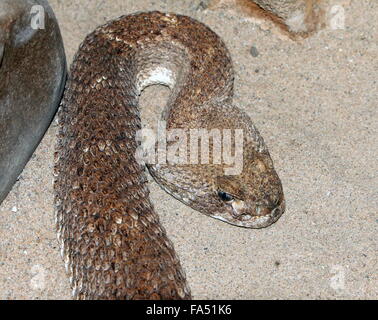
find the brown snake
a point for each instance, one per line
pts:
(112, 242)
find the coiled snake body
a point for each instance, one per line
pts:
(112, 242)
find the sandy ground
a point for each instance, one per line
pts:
(315, 104)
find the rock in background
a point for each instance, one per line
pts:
(297, 19)
(32, 76)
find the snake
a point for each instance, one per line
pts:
(112, 242)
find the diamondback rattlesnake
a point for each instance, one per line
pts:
(112, 242)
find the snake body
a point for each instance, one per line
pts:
(111, 240)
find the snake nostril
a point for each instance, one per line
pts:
(276, 212)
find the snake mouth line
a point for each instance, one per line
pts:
(253, 221)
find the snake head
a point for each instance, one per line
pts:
(250, 197)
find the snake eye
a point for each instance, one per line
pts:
(225, 196)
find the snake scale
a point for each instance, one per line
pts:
(112, 242)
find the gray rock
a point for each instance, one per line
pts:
(32, 77)
(254, 52)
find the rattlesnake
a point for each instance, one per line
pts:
(111, 240)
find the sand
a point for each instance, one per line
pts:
(314, 102)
